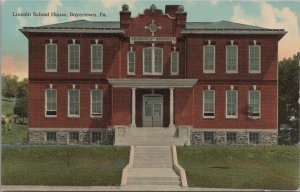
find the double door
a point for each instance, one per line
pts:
(152, 110)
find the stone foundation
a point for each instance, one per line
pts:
(39, 136)
(242, 137)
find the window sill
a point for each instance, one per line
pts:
(50, 71)
(233, 117)
(232, 72)
(51, 116)
(255, 72)
(208, 117)
(77, 71)
(96, 71)
(209, 72)
(254, 118)
(74, 117)
(152, 74)
(96, 116)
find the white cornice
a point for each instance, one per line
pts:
(278, 32)
(153, 83)
(108, 31)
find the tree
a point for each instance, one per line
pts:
(9, 86)
(22, 89)
(20, 108)
(289, 94)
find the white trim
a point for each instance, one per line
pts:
(128, 72)
(68, 129)
(73, 70)
(153, 48)
(259, 103)
(152, 83)
(46, 56)
(46, 100)
(177, 66)
(100, 115)
(236, 106)
(203, 106)
(259, 59)
(232, 31)
(69, 115)
(214, 63)
(101, 57)
(237, 59)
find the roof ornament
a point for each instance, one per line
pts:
(152, 27)
(125, 8)
(180, 9)
(153, 7)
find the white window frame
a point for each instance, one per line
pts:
(73, 70)
(237, 59)
(46, 100)
(73, 115)
(203, 103)
(153, 61)
(46, 58)
(259, 104)
(258, 138)
(101, 58)
(236, 107)
(259, 60)
(177, 65)
(91, 104)
(128, 63)
(214, 63)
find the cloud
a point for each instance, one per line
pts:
(271, 17)
(214, 2)
(21, 20)
(12, 65)
(52, 7)
(117, 3)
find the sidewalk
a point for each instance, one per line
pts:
(112, 188)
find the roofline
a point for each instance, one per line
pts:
(232, 31)
(72, 30)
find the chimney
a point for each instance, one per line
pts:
(124, 16)
(171, 10)
(180, 19)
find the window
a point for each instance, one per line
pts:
(130, 62)
(209, 103)
(96, 102)
(51, 136)
(254, 138)
(174, 62)
(231, 59)
(51, 57)
(96, 58)
(209, 137)
(209, 59)
(73, 100)
(96, 137)
(254, 59)
(231, 104)
(254, 103)
(74, 58)
(50, 102)
(74, 137)
(153, 60)
(231, 137)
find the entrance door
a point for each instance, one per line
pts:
(152, 110)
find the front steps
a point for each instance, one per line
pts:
(151, 136)
(151, 166)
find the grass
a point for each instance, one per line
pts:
(275, 167)
(63, 165)
(17, 134)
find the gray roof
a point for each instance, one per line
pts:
(81, 24)
(114, 27)
(220, 25)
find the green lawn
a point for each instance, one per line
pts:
(63, 165)
(275, 167)
(17, 134)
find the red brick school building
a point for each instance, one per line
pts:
(99, 82)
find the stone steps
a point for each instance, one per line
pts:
(153, 165)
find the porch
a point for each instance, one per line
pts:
(152, 119)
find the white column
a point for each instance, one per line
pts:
(171, 108)
(133, 107)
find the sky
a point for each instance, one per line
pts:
(268, 14)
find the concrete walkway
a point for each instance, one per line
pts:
(112, 188)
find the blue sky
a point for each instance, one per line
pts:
(269, 14)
